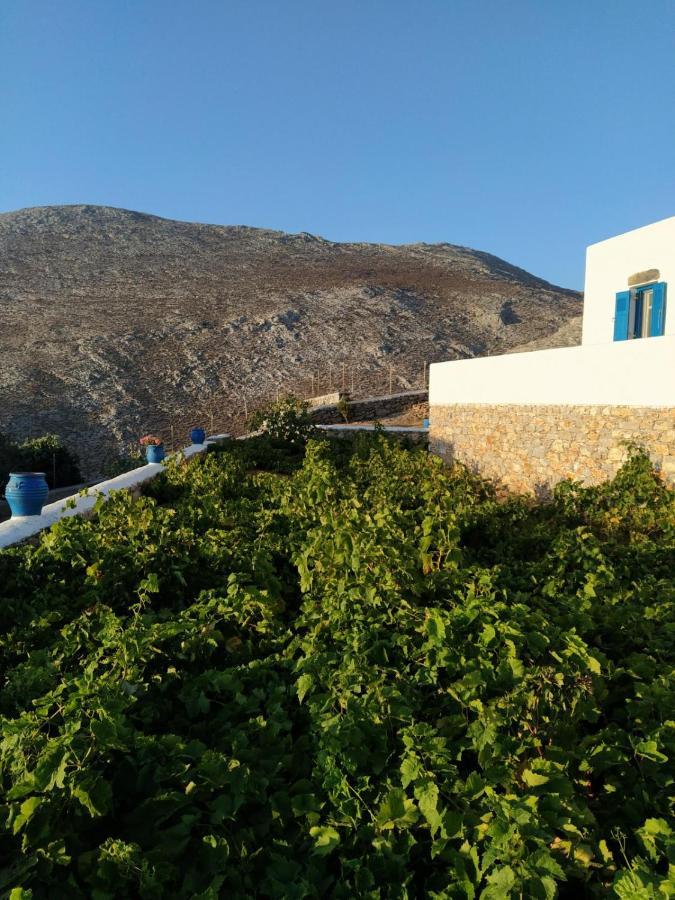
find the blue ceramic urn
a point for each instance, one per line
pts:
(26, 493)
(154, 453)
(197, 435)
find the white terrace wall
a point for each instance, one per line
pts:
(633, 373)
(609, 265)
(23, 528)
(528, 420)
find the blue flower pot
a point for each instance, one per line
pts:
(26, 493)
(197, 435)
(154, 453)
(425, 423)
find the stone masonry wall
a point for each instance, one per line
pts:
(531, 448)
(369, 409)
(327, 399)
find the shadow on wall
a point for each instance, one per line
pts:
(542, 491)
(444, 448)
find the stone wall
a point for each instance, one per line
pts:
(327, 399)
(531, 448)
(369, 409)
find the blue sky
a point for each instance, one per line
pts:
(527, 128)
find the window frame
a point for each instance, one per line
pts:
(640, 308)
(646, 303)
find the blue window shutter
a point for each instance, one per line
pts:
(621, 316)
(658, 310)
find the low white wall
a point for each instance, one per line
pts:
(20, 528)
(626, 373)
(609, 265)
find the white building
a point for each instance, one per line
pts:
(623, 373)
(626, 285)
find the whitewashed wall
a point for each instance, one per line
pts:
(625, 373)
(21, 528)
(600, 371)
(610, 263)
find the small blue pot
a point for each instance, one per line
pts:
(26, 493)
(197, 435)
(425, 423)
(154, 453)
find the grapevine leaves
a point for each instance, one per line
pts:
(365, 676)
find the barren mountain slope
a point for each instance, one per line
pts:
(568, 335)
(114, 322)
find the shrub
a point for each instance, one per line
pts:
(343, 408)
(41, 454)
(121, 463)
(286, 420)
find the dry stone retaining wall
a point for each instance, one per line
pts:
(369, 409)
(327, 399)
(531, 448)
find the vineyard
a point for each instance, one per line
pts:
(342, 670)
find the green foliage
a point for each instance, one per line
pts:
(343, 408)
(118, 464)
(263, 453)
(364, 677)
(41, 454)
(286, 420)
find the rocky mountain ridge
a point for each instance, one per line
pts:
(115, 322)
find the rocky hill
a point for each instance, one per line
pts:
(114, 322)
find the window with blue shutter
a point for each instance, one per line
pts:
(658, 319)
(640, 312)
(621, 316)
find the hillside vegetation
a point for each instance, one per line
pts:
(38, 454)
(115, 323)
(341, 672)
